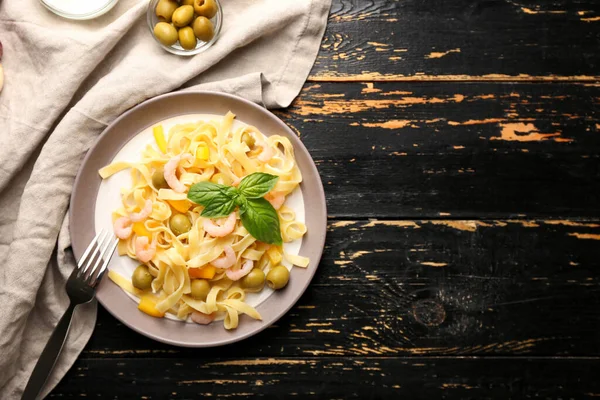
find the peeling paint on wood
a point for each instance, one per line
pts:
(524, 223)
(369, 88)
(590, 236)
(391, 124)
(478, 122)
(214, 382)
(259, 361)
(341, 224)
(572, 223)
(442, 53)
(537, 11)
(434, 264)
(469, 226)
(521, 132)
(357, 254)
(419, 77)
(329, 107)
(402, 224)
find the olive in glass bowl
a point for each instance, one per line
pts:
(185, 27)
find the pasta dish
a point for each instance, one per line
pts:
(205, 216)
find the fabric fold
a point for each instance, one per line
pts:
(64, 82)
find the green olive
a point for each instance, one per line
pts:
(142, 279)
(158, 179)
(278, 277)
(165, 8)
(206, 8)
(165, 33)
(180, 224)
(248, 139)
(254, 280)
(203, 29)
(187, 2)
(187, 40)
(200, 289)
(183, 16)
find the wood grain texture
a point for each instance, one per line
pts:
(332, 378)
(440, 287)
(424, 150)
(467, 40)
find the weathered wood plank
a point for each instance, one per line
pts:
(491, 40)
(418, 150)
(332, 378)
(452, 288)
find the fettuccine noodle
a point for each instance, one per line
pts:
(201, 151)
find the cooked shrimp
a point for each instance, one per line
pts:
(276, 199)
(170, 172)
(122, 227)
(225, 261)
(144, 250)
(240, 273)
(221, 227)
(201, 318)
(142, 215)
(267, 152)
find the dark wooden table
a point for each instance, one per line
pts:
(459, 145)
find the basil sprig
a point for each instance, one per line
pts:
(257, 214)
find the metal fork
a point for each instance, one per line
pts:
(81, 288)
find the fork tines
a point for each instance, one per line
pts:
(100, 249)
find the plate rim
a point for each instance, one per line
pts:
(319, 207)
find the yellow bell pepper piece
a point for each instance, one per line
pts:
(207, 272)
(159, 136)
(140, 229)
(274, 254)
(180, 205)
(202, 152)
(148, 305)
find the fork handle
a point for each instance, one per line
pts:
(47, 360)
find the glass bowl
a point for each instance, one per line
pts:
(79, 10)
(176, 48)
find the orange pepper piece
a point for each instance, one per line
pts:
(207, 272)
(148, 305)
(180, 205)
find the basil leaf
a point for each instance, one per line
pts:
(218, 200)
(257, 185)
(219, 208)
(260, 219)
(204, 192)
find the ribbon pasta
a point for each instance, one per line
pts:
(222, 155)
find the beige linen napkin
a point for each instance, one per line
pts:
(64, 82)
